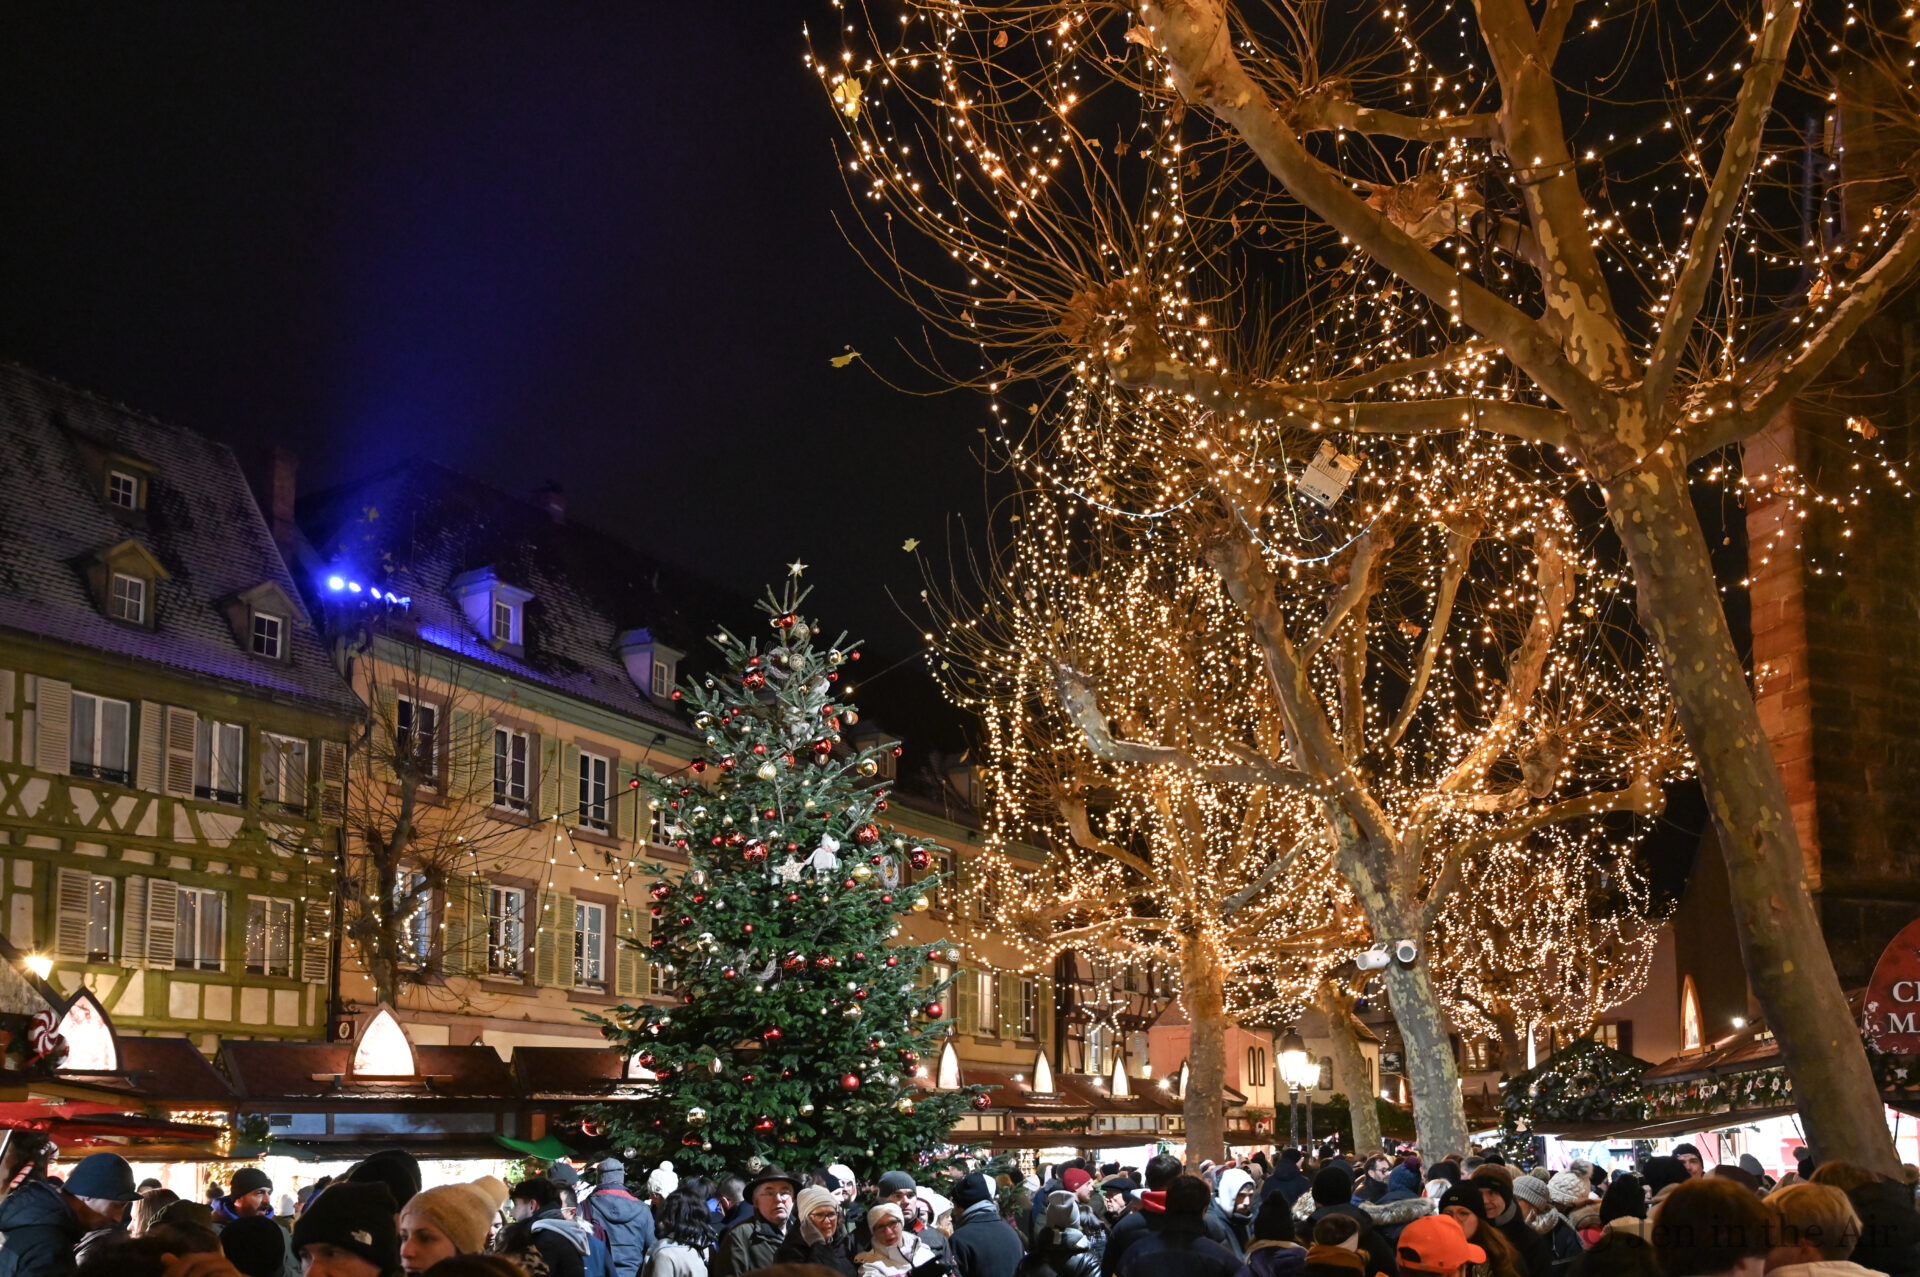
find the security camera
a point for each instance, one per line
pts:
(1405, 951)
(1370, 959)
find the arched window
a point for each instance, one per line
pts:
(1263, 1066)
(1693, 1035)
(1253, 1078)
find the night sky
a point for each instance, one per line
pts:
(590, 243)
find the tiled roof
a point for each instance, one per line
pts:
(413, 529)
(201, 525)
(266, 1070)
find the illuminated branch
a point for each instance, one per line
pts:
(1082, 704)
(1329, 108)
(1460, 541)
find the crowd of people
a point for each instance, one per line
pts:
(1294, 1216)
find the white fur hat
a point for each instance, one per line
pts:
(663, 1181)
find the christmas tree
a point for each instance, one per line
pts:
(802, 1016)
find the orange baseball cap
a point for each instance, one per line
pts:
(1435, 1244)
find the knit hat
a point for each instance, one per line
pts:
(1626, 1198)
(896, 1182)
(1660, 1172)
(843, 1175)
(1448, 1171)
(255, 1245)
(1533, 1193)
(971, 1191)
(1333, 1186)
(1062, 1210)
(394, 1167)
(885, 1210)
(1685, 1150)
(1467, 1195)
(1072, 1178)
(493, 1190)
(663, 1181)
(1569, 1189)
(103, 1177)
(357, 1217)
(813, 1198)
(460, 1211)
(613, 1173)
(564, 1175)
(248, 1179)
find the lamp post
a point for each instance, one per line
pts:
(1295, 1064)
(1301, 1071)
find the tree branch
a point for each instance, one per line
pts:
(1367, 549)
(1459, 550)
(1240, 899)
(1553, 29)
(1080, 826)
(1739, 151)
(1861, 303)
(1329, 106)
(1642, 795)
(1082, 706)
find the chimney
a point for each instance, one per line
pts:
(283, 487)
(553, 499)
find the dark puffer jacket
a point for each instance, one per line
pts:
(41, 1231)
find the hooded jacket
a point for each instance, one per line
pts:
(1273, 1259)
(1060, 1252)
(1374, 1219)
(1232, 1182)
(41, 1231)
(983, 1244)
(1179, 1246)
(623, 1220)
(561, 1243)
(1287, 1180)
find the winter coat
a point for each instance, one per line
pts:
(1273, 1259)
(983, 1244)
(41, 1231)
(1402, 1203)
(1374, 1248)
(749, 1245)
(1060, 1252)
(1889, 1229)
(1179, 1246)
(1564, 1244)
(1333, 1261)
(922, 1260)
(835, 1252)
(1536, 1252)
(675, 1259)
(1288, 1182)
(1131, 1228)
(560, 1243)
(1037, 1217)
(623, 1220)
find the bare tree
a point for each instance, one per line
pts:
(1259, 761)
(1492, 221)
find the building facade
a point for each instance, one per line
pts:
(172, 728)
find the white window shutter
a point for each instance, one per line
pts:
(163, 911)
(53, 732)
(333, 782)
(150, 762)
(183, 730)
(630, 963)
(70, 911)
(317, 941)
(133, 923)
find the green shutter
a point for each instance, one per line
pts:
(630, 963)
(1044, 1013)
(1009, 1005)
(553, 948)
(470, 758)
(570, 784)
(386, 720)
(463, 934)
(966, 1004)
(550, 790)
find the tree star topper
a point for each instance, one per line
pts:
(795, 568)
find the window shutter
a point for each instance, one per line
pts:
(333, 782)
(383, 741)
(7, 683)
(1043, 1013)
(630, 817)
(553, 945)
(550, 789)
(463, 940)
(133, 923)
(70, 911)
(53, 737)
(1007, 999)
(470, 757)
(317, 940)
(183, 734)
(966, 1004)
(570, 783)
(163, 911)
(293, 765)
(629, 964)
(150, 763)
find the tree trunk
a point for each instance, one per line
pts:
(1781, 943)
(1439, 1116)
(1204, 1102)
(1350, 1073)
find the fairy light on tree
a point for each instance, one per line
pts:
(1287, 222)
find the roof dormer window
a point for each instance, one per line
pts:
(496, 610)
(663, 678)
(128, 601)
(651, 664)
(506, 621)
(269, 635)
(123, 489)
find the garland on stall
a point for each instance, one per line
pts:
(1762, 1088)
(1586, 1083)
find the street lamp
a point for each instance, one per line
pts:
(1300, 1072)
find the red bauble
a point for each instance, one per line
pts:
(851, 1082)
(982, 1102)
(866, 835)
(753, 680)
(920, 858)
(765, 1126)
(661, 890)
(729, 973)
(691, 1139)
(727, 764)
(699, 765)
(759, 748)
(772, 1035)
(935, 1010)
(755, 850)
(892, 961)
(886, 898)
(590, 1128)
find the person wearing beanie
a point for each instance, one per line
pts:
(540, 1225)
(1287, 1180)
(624, 1220)
(752, 1243)
(44, 1222)
(1275, 1250)
(895, 1251)
(1060, 1247)
(662, 1181)
(249, 1193)
(1689, 1159)
(822, 1237)
(899, 1188)
(1179, 1243)
(453, 1219)
(1502, 1209)
(1332, 1195)
(982, 1244)
(258, 1247)
(396, 1168)
(1541, 1209)
(1464, 1204)
(348, 1231)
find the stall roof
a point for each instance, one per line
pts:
(278, 1071)
(573, 1073)
(163, 1071)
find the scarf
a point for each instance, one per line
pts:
(1337, 1257)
